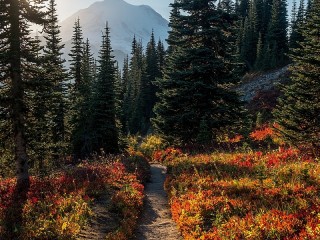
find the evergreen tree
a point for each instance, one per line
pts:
(244, 8)
(82, 106)
(266, 17)
(76, 53)
(103, 116)
(127, 91)
(250, 32)
(260, 54)
(308, 8)
(17, 54)
(293, 26)
(297, 20)
(55, 75)
(152, 72)
(298, 111)
(195, 88)
(137, 88)
(248, 51)
(119, 95)
(277, 34)
(174, 32)
(161, 53)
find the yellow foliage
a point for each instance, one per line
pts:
(151, 144)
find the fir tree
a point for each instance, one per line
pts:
(161, 53)
(259, 60)
(244, 8)
(297, 20)
(293, 26)
(17, 53)
(119, 95)
(266, 17)
(298, 111)
(152, 72)
(127, 91)
(103, 117)
(76, 53)
(250, 31)
(82, 106)
(174, 24)
(197, 74)
(137, 88)
(56, 76)
(277, 34)
(248, 47)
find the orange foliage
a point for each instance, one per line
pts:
(253, 196)
(262, 134)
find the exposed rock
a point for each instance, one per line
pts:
(263, 82)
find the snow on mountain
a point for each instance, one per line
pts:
(125, 21)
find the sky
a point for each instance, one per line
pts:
(67, 7)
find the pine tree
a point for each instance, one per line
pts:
(244, 8)
(137, 88)
(119, 95)
(298, 111)
(293, 26)
(277, 34)
(152, 72)
(76, 53)
(297, 20)
(55, 75)
(17, 53)
(249, 34)
(127, 90)
(103, 117)
(174, 24)
(266, 17)
(161, 53)
(198, 73)
(308, 8)
(260, 54)
(248, 51)
(81, 134)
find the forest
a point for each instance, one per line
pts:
(78, 131)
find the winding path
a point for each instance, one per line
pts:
(155, 222)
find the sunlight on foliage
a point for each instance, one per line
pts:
(256, 195)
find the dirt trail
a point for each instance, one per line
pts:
(155, 222)
(102, 222)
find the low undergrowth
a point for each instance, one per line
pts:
(58, 206)
(273, 195)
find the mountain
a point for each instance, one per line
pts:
(125, 21)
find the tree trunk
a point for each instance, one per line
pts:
(17, 94)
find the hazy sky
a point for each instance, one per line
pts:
(67, 7)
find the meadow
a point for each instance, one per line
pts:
(253, 195)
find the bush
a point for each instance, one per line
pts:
(151, 144)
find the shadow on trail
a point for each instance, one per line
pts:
(156, 222)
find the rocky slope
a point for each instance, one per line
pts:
(263, 82)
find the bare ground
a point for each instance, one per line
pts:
(155, 222)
